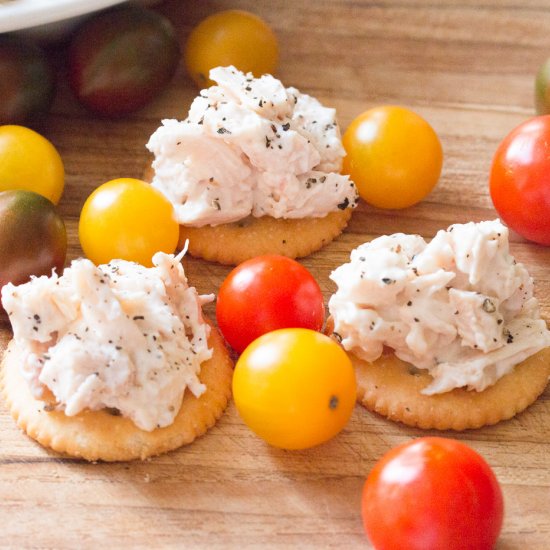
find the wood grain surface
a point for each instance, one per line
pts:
(468, 67)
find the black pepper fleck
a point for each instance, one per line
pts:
(343, 205)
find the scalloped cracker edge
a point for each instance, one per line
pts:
(99, 435)
(391, 388)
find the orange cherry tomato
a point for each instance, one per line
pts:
(294, 387)
(393, 155)
(232, 37)
(127, 219)
(29, 161)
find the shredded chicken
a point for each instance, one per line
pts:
(459, 306)
(119, 335)
(250, 146)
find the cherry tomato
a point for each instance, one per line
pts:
(267, 293)
(120, 60)
(231, 37)
(393, 155)
(127, 219)
(29, 161)
(294, 387)
(520, 179)
(432, 494)
(542, 89)
(28, 83)
(33, 240)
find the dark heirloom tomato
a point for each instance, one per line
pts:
(520, 179)
(26, 81)
(432, 493)
(32, 237)
(120, 60)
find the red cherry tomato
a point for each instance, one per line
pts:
(432, 494)
(264, 294)
(520, 180)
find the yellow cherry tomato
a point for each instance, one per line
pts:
(393, 155)
(295, 388)
(127, 219)
(232, 37)
(29, 161)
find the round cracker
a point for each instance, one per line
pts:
(233, 243)
(99, 435)
(392, 387)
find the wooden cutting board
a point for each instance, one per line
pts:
(469, 70)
